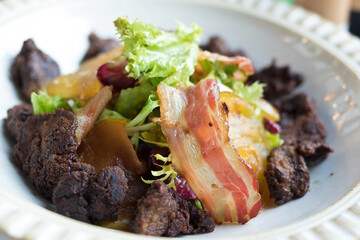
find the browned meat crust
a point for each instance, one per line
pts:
(69, 195)
(302, 128)
(106, 193)
(136, 189)
(287, 175)
(279, 81)
(16, 118)
(161, 213)
(91, 198)
(154, 211)
(314, 151)
(46, 149)
(304, 134)
(218, 45)
(98, 45)
(200, 221)
(32, 68)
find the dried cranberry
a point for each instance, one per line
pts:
(114, 74)
(272, 126)
(183, 189)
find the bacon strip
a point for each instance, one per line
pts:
(195, 125)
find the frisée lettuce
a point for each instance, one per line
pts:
(43, 103)
(156, 55)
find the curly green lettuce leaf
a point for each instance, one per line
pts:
(274, 140)
(151, 103)
(158, 55)
(75, 106)
(154, 137)
(153, 56)
(43, 103)
(165, 173)
(251, 93)
(223, 72)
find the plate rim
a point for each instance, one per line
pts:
(300, 22)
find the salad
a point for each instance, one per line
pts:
(161, 137)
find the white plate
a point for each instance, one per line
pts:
(328, 58)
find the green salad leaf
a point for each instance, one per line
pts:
(225, 74)
(251, 93)
(165, 173)
(159, 55)
(151, 103)
(274, 140)
(135, 126)
(154, 137)
(198, 204)
(131, 131)
(132, 100)
(153, 56)
(43, 103)
(221, 71)
(109, 114)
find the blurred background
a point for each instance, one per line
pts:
(345, 13)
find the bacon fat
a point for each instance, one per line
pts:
(195, 124)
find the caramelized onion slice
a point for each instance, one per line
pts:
(107, 144)
(87, 116)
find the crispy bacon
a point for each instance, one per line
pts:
(194, 122)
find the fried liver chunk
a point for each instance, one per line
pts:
(218, 45)
(106, 193)
(162, 213)
(16, 118)
(98, 45)
(152, 217)
(46, 149)
(200, 222)
(32, 68)
(91, 198)
(278, 81)
(69, 195)
(287, 174)
(304, 144)
(302, 128)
